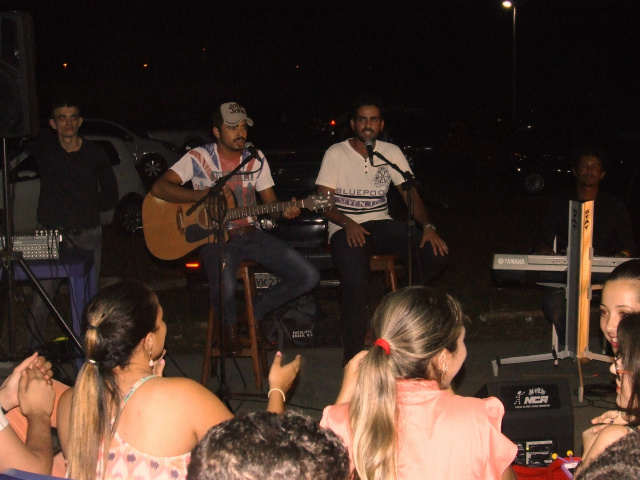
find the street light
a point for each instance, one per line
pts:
(509, 4)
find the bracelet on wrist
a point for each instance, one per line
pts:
(284, 399)
(344, 224)
(428, 226)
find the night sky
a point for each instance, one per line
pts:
(575, 59)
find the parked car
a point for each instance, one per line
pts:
(533, 157)
(24, 184)
(184, 139)
(534, 173)
(152, 157)
(294, 171)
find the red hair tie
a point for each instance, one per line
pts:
(381, 342)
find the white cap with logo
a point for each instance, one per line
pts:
(233, 114)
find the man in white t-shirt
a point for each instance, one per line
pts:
(203, 166)
(360, 224)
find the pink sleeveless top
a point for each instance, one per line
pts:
(126, 462)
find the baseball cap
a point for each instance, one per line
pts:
(232, 114)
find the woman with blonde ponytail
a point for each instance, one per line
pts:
(396, 411)
(122, 419)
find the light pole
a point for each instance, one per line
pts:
(509, 4)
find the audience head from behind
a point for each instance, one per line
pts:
(420, 336)
(620, 296)
(626, 366)
(268, 446)
(619, 461)
(424, 330)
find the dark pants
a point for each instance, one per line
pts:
(387, 236)
(554, 306)
(88, 239)
(296, 273)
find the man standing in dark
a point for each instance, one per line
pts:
(360, 224)
(77, 183)
(612, 233)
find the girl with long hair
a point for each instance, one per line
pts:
(626, 368)
(620, 296)
(402, 420)
(122, 419)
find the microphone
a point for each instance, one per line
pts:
(248, 147)
(369, 145)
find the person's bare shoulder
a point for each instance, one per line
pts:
(186, 395)
(606, 437)
(190, 403)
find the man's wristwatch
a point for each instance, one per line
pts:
(428, 226)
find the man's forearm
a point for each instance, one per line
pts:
(171, 192)
(419, 210)
(5, 400)
(39, 442)
(336, 216)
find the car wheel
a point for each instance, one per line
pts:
(534, 182)
(128, 215)
(152, 167)
(191, 143)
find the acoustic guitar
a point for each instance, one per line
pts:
(170, 233)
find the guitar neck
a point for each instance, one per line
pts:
(240, 212)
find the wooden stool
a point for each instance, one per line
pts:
(250, 347)
(386, 263)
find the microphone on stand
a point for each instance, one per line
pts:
(253, 151)
(369, 145)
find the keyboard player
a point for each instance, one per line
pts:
(612, 232)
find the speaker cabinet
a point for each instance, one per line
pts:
(18, 100)
(538, 417)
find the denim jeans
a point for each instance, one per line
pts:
(386, 236)
(297, 275)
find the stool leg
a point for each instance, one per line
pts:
(249, 288)
(261, 350)
(391, 271)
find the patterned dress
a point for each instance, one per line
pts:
(126, 462)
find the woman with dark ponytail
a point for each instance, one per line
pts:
(402, 420)
(122, 419)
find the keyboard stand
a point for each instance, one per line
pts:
(555, 355)
(578, 295)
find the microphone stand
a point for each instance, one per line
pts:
(409, 181)
(215, 198)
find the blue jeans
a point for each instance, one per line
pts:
(387, 236)
(297, 275)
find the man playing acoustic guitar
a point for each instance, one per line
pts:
(203, 166)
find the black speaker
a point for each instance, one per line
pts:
(538, 417)
(18, 100)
